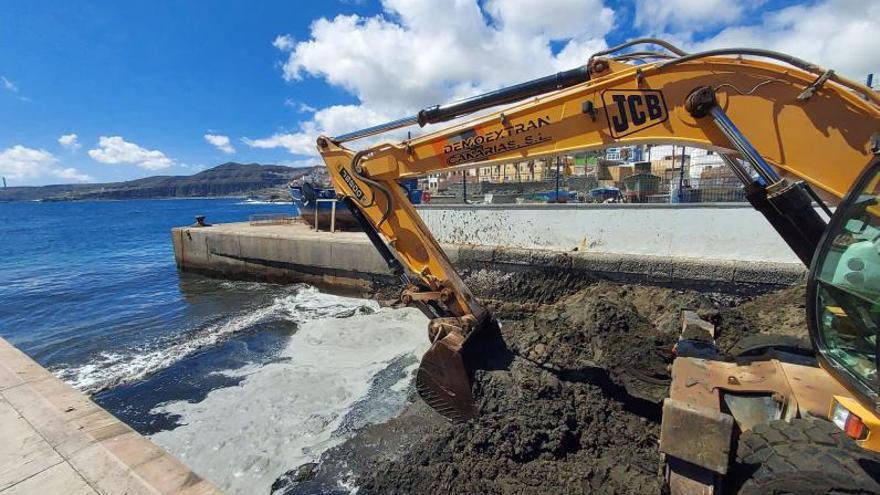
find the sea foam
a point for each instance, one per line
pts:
(335, 373)
(109, 369)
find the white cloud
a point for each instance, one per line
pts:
(193, 167)
(333, 120)
(298, 143)
(559, 19)
(299, 106)
(8, 85)
(220, 142)
(658, 16)
(836, 34)
(302, 163)
(418, 53)
(71, 174)
(69, 142)
(422, 52)
(115, 150)
(19, 162)
(283, 42)
(34, 165)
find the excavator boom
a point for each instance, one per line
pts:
(782, 116)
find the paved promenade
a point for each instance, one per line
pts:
(54, 440)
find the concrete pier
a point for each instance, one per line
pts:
(347, 260)
(54, 440)
(280, 253)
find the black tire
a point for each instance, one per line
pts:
(767, 346)
(805, 456)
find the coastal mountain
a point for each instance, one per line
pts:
(228, 179)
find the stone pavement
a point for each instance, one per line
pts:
(54, 440)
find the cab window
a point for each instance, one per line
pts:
(848, 287)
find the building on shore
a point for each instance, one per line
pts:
(644, 173)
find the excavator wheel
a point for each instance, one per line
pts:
(762, 347)
(804, 456)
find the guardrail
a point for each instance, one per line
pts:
(271, 219)
(332, 213)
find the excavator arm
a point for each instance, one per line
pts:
(766, 117)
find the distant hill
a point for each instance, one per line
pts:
(229, 179)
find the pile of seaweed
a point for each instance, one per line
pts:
(568, 395)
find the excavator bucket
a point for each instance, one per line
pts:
(445, 376)
(444, 380)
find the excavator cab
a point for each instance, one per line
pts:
(844, 308)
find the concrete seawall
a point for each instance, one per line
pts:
(53, 439)
(706, 231)
(347, 261)
(280, 253)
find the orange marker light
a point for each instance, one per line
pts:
(851, 424)
(854, 428)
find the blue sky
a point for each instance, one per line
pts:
(152, 78)
(160, 74)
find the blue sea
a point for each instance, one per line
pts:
(240, 380)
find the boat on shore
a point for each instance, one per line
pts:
(312, 195)
(306, 198)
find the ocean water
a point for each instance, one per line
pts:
(241, 380)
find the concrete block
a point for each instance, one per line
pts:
(106, 473)
(699, 270)
(191, 247)
(177, 244)
(23, 452)
(60, 478)
(358, 257)
(662, 269)
(472, 253)
(19, 368)
(696, 328)
(308, 252)
(636, 265)
(273, 249)
(131, 449)
(596, 262)
(770, 273)
(552, 259)
(90, 429)
(48, 420)
(8, 378)
(699, 435)
(224, 255)
(61, 397)
(512, 256)
(452, 252)
(253, 250)
(169, 476)
(224, 245)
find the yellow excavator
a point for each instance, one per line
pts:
(796, 135)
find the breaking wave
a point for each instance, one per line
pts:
(109, 369)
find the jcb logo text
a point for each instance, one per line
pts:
(630, 111)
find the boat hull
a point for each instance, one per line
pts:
(322, 211)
